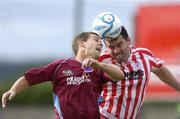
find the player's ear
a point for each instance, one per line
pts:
(129, 40)
(81, 44)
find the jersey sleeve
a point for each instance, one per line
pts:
(41, 74)
(154, 61)
(104, 77)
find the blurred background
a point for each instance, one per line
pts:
(36, 32)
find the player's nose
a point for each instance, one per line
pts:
(100, 43)
(116, 51)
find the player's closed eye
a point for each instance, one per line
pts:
(119, 45)
(97, 39)
(111, 47)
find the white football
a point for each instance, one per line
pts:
(107, 25)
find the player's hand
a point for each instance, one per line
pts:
(7, 96)
(90, 62)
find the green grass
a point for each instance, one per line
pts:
(38, 94)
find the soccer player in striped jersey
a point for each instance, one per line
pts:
(77, 82)
(123, 99)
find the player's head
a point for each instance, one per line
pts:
(87, 44)
(120, 46)
(108, 25)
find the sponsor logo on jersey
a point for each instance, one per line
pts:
(134, 74)
(77, 80)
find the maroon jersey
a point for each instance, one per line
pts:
(75, 92)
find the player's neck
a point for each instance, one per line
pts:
(80, 57)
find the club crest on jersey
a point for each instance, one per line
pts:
(68, 73)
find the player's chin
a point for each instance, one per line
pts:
(120, 60)
(117, 58)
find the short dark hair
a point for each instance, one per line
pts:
(83, 36)
(124, 33)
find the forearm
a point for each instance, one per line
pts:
(167, 77)
(112, 70)
(20, 85)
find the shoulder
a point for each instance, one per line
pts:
(142, 51)
(57, 62)
(104, 55)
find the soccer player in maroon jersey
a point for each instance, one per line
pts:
(123, 99)
(77, 82)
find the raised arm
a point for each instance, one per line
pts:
(112, 70)
(167, 77)
(17, 87)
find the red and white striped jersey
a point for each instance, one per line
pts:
(123, 99)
